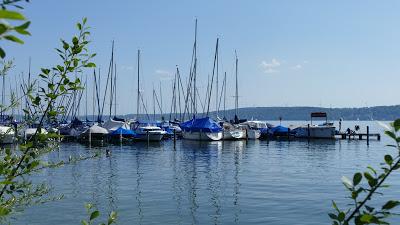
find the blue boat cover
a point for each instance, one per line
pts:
(122, 131)
(205, 124)
(278, 130)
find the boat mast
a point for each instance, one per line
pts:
(236, 91)
(212, 77)
(86, 96)
(138, 83)
(195, 70)
(225, 96)
(115, 90)
(216, 91)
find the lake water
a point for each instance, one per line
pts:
(231, 182)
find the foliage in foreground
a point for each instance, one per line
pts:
(93, 214)
(9, 31)
(19, 163)
(361, 193)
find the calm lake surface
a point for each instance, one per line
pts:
(231, 182)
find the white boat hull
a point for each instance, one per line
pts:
(253, 134)
(202, 136)
(150, 137)
(322, 132)
(233, 134)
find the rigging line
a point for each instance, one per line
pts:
(105, 92)
(212, 77)
(97, 95)
(222, 92)
(144, 107)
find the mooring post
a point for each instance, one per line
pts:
(308, 131)
(120, 136)
(367, 135)
(148, 138)
(90, 137)
(174, 138)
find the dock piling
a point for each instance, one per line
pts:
(367, 135)
(174, 138)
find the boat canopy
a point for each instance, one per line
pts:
(278, 130)
(205, 124)
(122, 131)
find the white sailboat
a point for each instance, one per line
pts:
(7, 135)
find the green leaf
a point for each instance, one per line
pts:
(2, 53)
(24, 26)
(367, 218)
(90, 65)
(11, 15)
(347, 182)
(335, 206)
(341, 216)
(396, 125)
(3, 28)
(390, 204)
(83, 222)
(13, 39)
(75, 40)
(112, 217)
(357, 178)
(333, 216)
(390, 134)
(94, 215)
(388, 159)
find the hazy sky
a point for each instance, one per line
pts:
(291, 53)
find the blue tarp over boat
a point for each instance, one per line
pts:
(205, 124)
(123, 131)
(278, 130)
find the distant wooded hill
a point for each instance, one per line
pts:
(303, 113)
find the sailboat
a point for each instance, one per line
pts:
(232, 131)
(202, 129)
(145, 131)
(7, 135)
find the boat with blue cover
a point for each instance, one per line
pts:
(202, 129)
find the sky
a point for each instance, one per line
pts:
(291, 53)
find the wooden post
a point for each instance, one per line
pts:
(90, 137)
(120, 136)
(148, 138)
(308, 131)
(174, 138)
(367, 135)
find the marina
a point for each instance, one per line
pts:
(201, 182)
(199, 112)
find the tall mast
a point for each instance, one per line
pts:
(212, 77)
(138, 91)
(237, 91)
(216, 91)
(161, 103)
(115, 90)
(194, 70)
(86, 95)
(111, 73)
(225, 95)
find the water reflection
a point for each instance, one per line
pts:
(226, 182)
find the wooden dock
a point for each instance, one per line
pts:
(361, 136)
